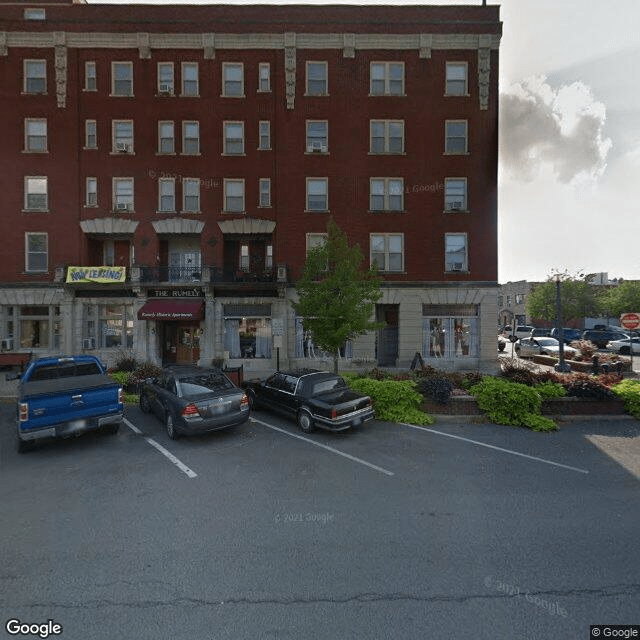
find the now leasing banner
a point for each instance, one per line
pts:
(102, 275)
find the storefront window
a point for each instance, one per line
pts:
(305, 346)
(34, 327)
(450, 331)
(111, 325)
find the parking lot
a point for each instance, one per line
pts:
(382, 531)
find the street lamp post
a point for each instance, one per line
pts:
(562, 366)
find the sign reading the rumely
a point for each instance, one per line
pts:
(630, 321)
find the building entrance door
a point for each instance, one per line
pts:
(387, 354)
(180, 343)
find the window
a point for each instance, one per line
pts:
(166, 194)
(450, 331)
(35, 135)
(166, 80)
(90, 134)
(315, 240)
(264, 142)
(123, 194)
(190, 84)
(268, 257)
(122, 78)
(90, 77)
(122, 132)
(386, 194)
(36, 252)
(387, 136)
(166, 137)
(35, 326)
(264, 77)
(111, 325)
(456, 136)
(387, 251)
(455, 194)
(34, 14)
(36, 193)
(233, 80)
(317, 82)
(519, 298)
(35, 76)
(247, 330)
(455, 248)
(317, 136)
(91, 192)
(387, 79)
(191, 138)
(233, 138)
(456, 79)
(191, 195)
(265, 192)
(317, 194)
(234, 195)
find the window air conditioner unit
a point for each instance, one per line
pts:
(323, 148)
(88, 343)
(123, 147)
(457, 266)
(165, 88)
(454, 206)
(7, 344)
(317, 147)
(122, 206)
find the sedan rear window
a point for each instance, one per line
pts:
(325, 386)
(204, 383)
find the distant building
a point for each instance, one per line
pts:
(512, 303)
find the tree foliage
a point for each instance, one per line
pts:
(623, 298)
(337, 297)
(578, 297)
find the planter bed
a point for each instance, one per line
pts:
(576, 365)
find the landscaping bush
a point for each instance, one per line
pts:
(550, 389)
(580, 385)
(121, 376)
(126, 361)
(144, 371)
(436, 387)
(629, 392)
(393, 400)
(586, 348)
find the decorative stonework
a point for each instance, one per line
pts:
(484, 70)
(209, 45)
(4, 50)
(108, 226)
(290, 68)
(426, 42)
(144, 46)
(247, 226)
(60, 50)
(178, 225)
(349, 47)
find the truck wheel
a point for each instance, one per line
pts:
(171, 427)
(305, 422)
(145, 405)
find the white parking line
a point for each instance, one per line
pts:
(183, 467)
(490, 446)
(324, 446)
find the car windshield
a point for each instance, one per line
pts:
(547, 342)
(198, 384)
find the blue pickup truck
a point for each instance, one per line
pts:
(66, 396)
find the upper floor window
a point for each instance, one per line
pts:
(190, 79)
(233, 138)
(387, 136)
(166, 80)
(35, 76)
(456, 84)
(455, 194)
(456, 137)
(387, 79)
(36, 252)
(264, 141)
(317, 136)
(166, 194)
(233, 79)
(386, 194)
(35, 14)
(36, 191)
(122, 136)
(166, 137)
(91, 192)
(234, 195)
(265, 192)
(90, 134)
(387, 251)
(317, 79)
(191, 138)
(123, 194)
(191, 195)
(317, 194)
(455, 251)
(315, 240)
(264, 77)
(90, 76)
(35, 135)
(122, 78)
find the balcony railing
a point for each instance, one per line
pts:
(204, 274)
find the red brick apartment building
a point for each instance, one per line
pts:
(165, 168)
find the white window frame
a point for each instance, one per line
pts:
(229, 141)
(191, 189)
(166, 77)
(388, 185)
(30, 136)
(91, 192)
(90, 76)
(90, 134)
(317, 181)
(122, 136)
(316, 143)
(228, 66)
(161, 138)
(456, 266)
(450, 138)
(186, 89)
(227, 184)
(455, 194)
(264, 197)
(315, 240)
(452, 83)
(386, 137)
(317, 64)
(386, 252)
(114, 81)
(120, 195)
(264, 135)
(264, 77)
(186, 139)
(386, 78)
(166, 195)
(40, 77)
(34, 14)
(28, 253)
(28, 191)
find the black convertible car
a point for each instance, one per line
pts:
(313, 398)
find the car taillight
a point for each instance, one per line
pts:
(190, 410)
(244, 402)
(24, 411)
(120, 395)
(334, 413)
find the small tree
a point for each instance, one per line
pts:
(622, 299)
(337, 297)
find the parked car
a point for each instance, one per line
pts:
(66, 396)
(313, 398)
(190, 400)
(623, 347)
(569, 334)
(546, 346)
(539, 332)
(602, 338)
(522, 331)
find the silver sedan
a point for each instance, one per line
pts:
(527, 347)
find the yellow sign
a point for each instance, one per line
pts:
(102, 275)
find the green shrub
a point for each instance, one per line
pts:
(581, 385)
(131, 398)
(629, 392)
(393, 400)
(121, 376)
(511, 403)
(550, 389)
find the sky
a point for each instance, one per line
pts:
(569, 165)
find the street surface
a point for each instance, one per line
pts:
(460, 530)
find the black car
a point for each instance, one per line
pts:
(313, 398)
(601, 338)
(190, 400)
